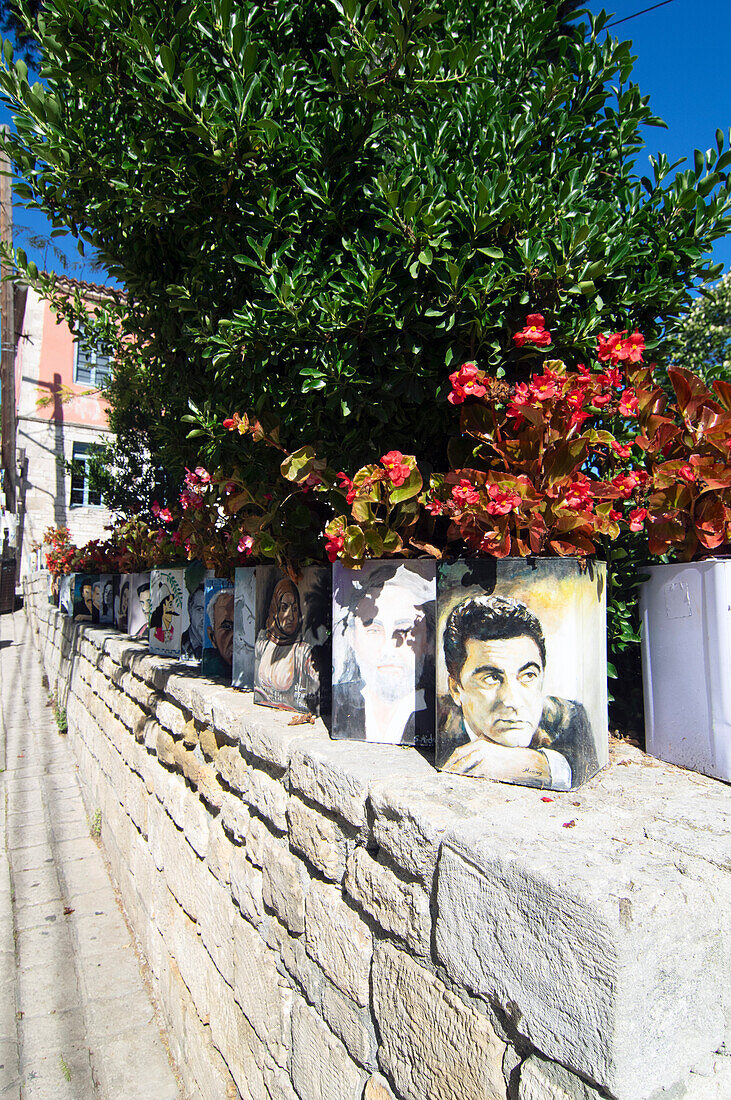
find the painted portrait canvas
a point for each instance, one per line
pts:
(244, 627)
(105, 598)
(84, 609)
(292, 653)
(66, 594)
(521, 670)
(138, 615)
(191, 637)
(121, 600)
(166, 610)
(218, 629)
(383, 652)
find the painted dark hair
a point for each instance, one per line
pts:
(487, 619)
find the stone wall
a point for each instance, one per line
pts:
(327, 920)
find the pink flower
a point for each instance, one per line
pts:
(189, 499)
(465, 494)
(534, 332)
(246, 545)
(620, 348)
(176, 538)
(687, 473)
(466, 382)
(629, 405)
(545, 386)
(501, 501)
(579, 495)
(398, 470)
(611, 377)
(637, 518)
(312, 480)
(346, 483)
(623, 450)
(435, 507)
(626, 483)
(333, 545)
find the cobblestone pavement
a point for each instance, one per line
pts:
(76, 1019)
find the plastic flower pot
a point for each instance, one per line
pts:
(686, 664)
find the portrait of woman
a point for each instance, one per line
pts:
(287, 653)
(122, 604)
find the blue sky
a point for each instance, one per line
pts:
(682, 52)
(682, 63)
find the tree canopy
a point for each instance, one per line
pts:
(703, 340)
(316, 208)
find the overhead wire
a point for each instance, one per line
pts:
(627, 18)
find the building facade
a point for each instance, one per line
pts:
(61, 417)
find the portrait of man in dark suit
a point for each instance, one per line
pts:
(497, 722)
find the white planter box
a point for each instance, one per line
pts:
(686, 664)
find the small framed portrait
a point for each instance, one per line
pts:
(383, 652)
(244, 627)
(138, 614)
(166, 610)
(85, 610)
(521, 670)
(218, 629)
(66, 594)
(292, 652)
(106, 599)
(194, 598)
(121, 600)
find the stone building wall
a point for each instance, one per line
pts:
(327, 920)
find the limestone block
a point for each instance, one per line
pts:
(544, 1080)
(302, 972)
(411, 816)
(190, 734)
(432, 1044)
(218, 854)
(352, 1024)
(258, 837)
(378, 1088)
(183, 870)
(400, 907)
(601, 953)
(268, 735)
(232, 767)
(320, 1065)
(332, 775)
(244, 1053)
(283, 886)
(216, 920)
(317, 837)
(137, 689)
(170, 716)
(267, 795)
(339, 940)
(181, 938)
(235, 816)
(246, 886)
(211, 740)
(264, 996)
(196, 822)
(165, 747)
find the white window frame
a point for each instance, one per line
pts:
(86, 447)
(88, 358)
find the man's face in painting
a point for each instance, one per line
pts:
(223, 625)
(390, 642)
(500, 689)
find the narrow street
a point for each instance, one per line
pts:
(76, 1019)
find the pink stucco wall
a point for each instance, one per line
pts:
(56, 370)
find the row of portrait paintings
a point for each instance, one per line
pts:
(485, 660)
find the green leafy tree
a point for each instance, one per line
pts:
(317, 208)
(703, 341)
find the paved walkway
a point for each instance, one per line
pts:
(76, 1020)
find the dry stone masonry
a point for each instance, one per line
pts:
(337, 921)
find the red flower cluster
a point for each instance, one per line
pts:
(347, 483)
(501, 501)
(398, 470)
(534, 332)
(620, 348)
(465, 493)
(333, 545)
(466, 382)
(163, 514)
